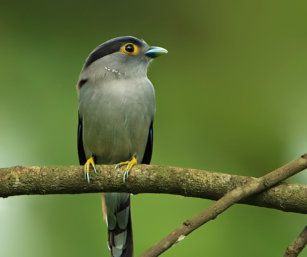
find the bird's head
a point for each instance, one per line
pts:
(120, 57)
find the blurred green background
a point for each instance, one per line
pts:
(231, 97)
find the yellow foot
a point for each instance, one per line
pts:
(90, 162)
(129, 164)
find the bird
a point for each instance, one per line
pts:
(115, 122)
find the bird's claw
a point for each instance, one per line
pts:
(129, 164)
(126, 174)
(87, 176)
(90, 162)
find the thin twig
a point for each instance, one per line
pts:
(225, 202)
(297, 245)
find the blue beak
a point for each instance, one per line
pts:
(155, 51)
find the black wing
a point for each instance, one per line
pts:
(81, 153)
(148, 149)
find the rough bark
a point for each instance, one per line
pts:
(146, 179)
(239, 193)
(297, 245)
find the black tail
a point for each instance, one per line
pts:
(120, 238)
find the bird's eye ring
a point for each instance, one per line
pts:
(130, 49)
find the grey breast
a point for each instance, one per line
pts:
(116, 118)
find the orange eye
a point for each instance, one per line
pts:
(130, 49)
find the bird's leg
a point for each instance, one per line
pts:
(129, 164)
(90, 162)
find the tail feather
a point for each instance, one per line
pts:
(120, 238)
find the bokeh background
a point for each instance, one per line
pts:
(231, 97)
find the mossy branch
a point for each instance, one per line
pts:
(146, 179)
(230, 198)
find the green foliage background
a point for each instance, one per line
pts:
(231, 96)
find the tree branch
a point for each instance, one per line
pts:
(225, 202)
(146, 179)
(297, 245)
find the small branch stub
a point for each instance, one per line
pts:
(297, 245)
